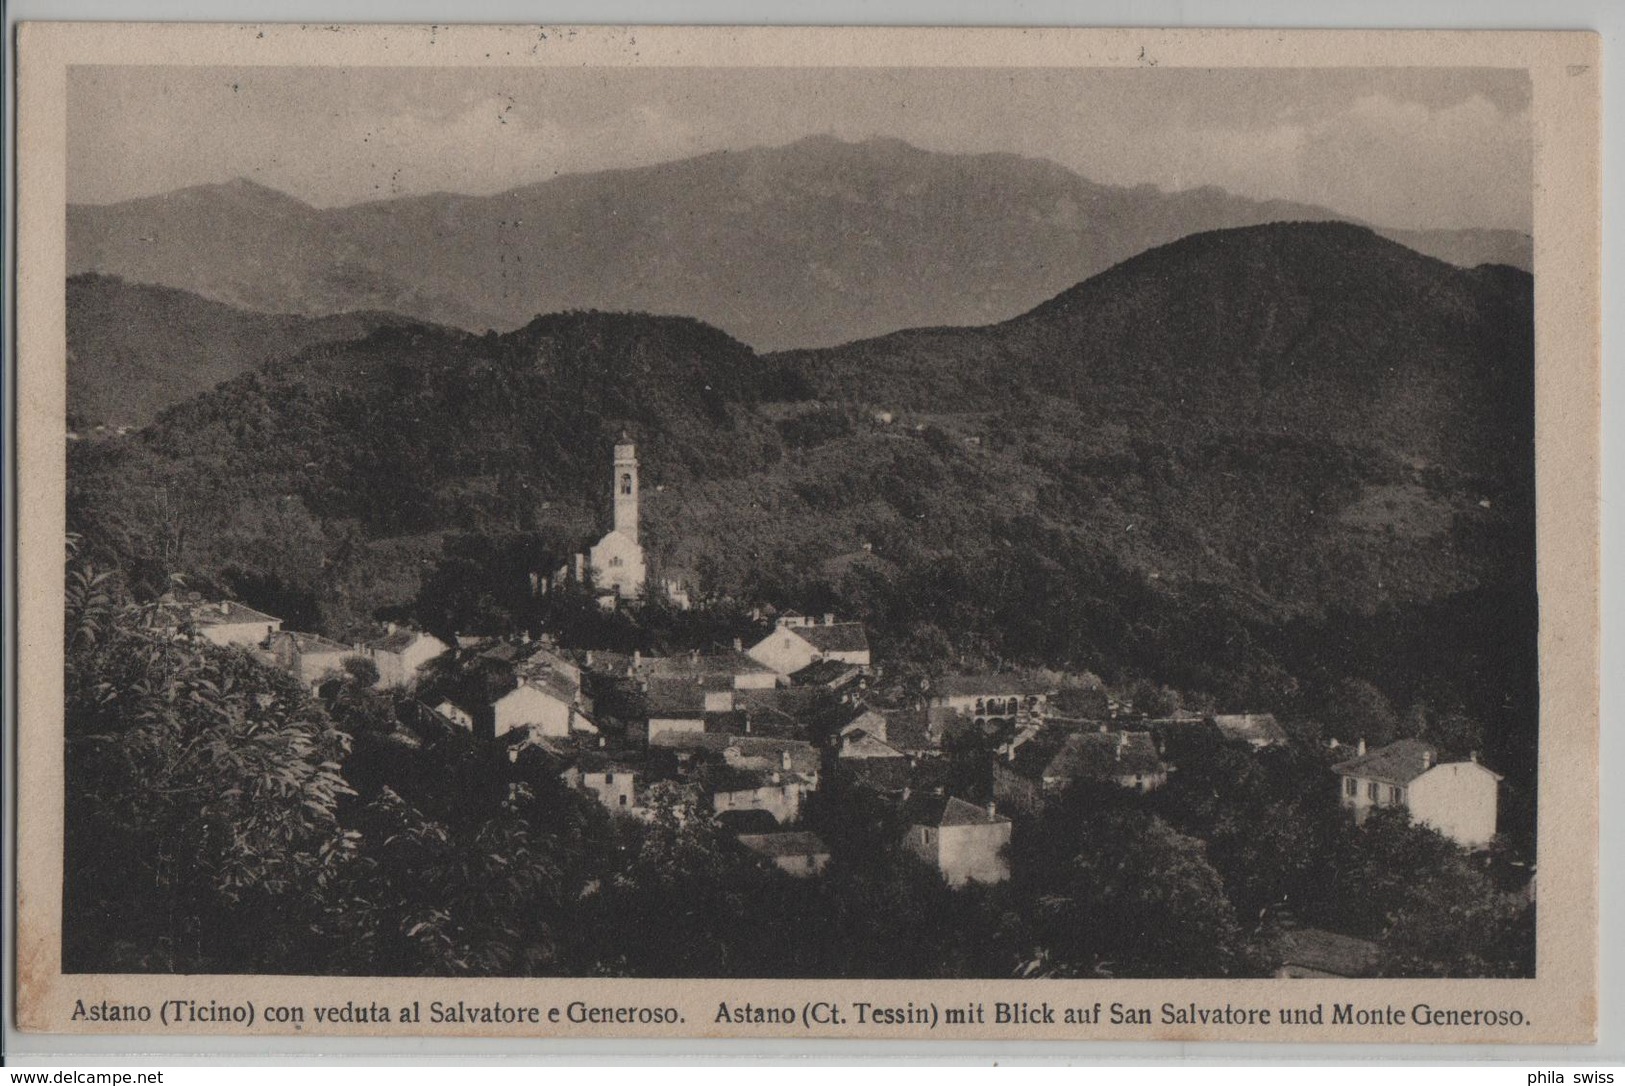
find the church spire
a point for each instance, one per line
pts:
(626, 487)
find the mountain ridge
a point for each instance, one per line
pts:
(813, 243)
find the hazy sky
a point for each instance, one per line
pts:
(1422, 147)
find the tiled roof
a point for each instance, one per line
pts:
(803, 756)
(1397, 763)
(795, 843)
(1328, 952)
(307, 644)
(398, 640)
(839, 637)
(228, 613)
(917, 729)
(716, 663)
(860, 744)
(831, 673)
(1100, 756)
(949, 811)
(683, 696)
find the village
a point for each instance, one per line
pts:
(756, 727)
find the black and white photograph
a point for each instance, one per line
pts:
(878, 522)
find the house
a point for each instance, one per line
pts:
(963, 841)
(1006, 696)
(909, 731)
(1459, 799)
(231, 623)
(797, 642)
(401, 653)
(828, 675)
(1257, 730)
(1036, 771)
(858, 743)
(688, 698)
(740, 671)
(898, 778)
(745, 772)
(495, 701)
(920, 731)
(1311, 952)
(795, 853)
(308, 657)
(614, 782)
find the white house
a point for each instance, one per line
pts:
(963, 841)
(231, 623)
(1007, 695)
(401, 652)
(1459, 799)
(612, 781)
(798, 641)
(309, 657)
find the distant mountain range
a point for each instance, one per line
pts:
(811, 244)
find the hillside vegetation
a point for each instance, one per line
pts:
(1287, 467)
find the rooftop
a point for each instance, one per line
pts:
(949, 811)
(228, 613)
(1397, 763)
(1097, 756)
(836, 637)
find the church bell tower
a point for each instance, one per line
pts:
(626, 488)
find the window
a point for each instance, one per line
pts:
(1371, 791)
(609, 778)
(626, 483)
(615, 562)
(1396, 794)
(623, 799)
(1351, 787)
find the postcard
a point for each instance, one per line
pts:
(655, 532)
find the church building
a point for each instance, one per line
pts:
(617, 559)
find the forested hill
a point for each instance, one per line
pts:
(814, 243)
(1256, 464)
(135, 349)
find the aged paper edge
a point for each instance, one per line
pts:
(1559, 1004)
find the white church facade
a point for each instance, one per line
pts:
(617, 560)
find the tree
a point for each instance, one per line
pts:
(1119, 892)
(202, 794)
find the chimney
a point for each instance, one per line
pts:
(600, 742)
(1427, 759)
(1360, 750)
(739, 644)
(907, 791)
(637, 657)
(992, 809)
(784, 758)
(390, 627)
(1472, 756)
(829, 618)
(225, 608)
